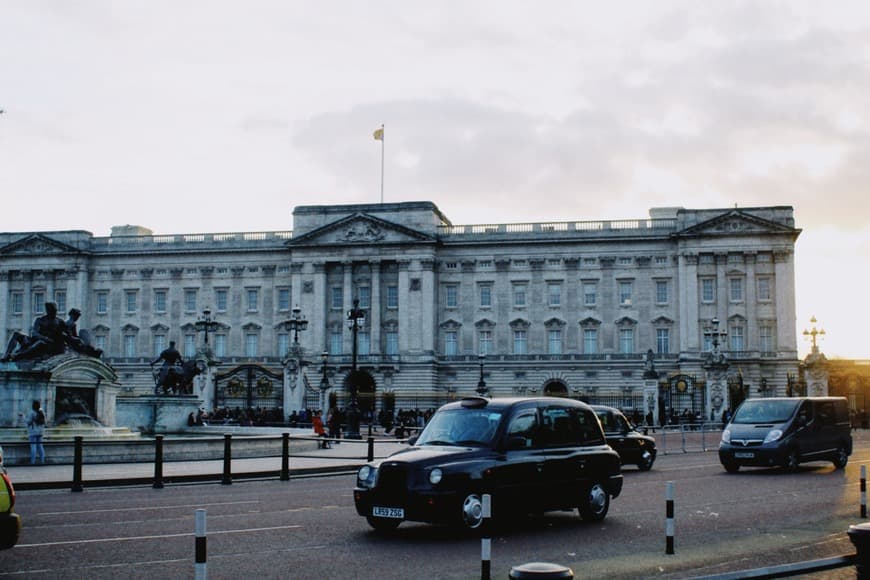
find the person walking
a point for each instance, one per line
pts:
(35, 431)
(317, 423)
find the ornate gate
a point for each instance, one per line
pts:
(681, 397)
(249, 386)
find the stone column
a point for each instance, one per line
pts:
(428, 294)
(688, 295)
(375, 310)
(4, 309)
(320, 305)
(786, 321)
(348, 304)
(404, 322)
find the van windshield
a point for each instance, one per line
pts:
(765, 411)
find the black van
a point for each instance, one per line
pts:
(786, 432)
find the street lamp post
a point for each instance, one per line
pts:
(356, 319)
(482, 389)
(324, 379)
(206, 324)
(814, 334)
(716, 336)
(296, 323)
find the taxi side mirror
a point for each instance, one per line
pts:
(517, 442)
(412, 439)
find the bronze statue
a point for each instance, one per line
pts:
(166, 377)
(47, 338)
(80, 344)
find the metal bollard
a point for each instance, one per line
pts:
(77, 464)
(485, 541)
(199, 566)
(669, 517)
(227, 478)
(158, 462)
(863, 491)
(285, 456)
(371, 453)
(859, 534)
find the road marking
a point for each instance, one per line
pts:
(126, 509)
(155, 537)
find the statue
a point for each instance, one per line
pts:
(80, 344)
(649, 367)
(47, 338)
(175, 373)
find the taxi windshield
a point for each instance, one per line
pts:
(461, 427)
(765, 411)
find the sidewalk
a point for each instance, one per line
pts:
(344, 457)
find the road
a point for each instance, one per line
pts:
(308, 528)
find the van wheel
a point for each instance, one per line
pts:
(594, 503)
(841, 458)
(791, 461)
(383, 524)
(731, 467)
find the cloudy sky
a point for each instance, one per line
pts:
(218, 116)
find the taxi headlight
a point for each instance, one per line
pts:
(773, 435)
(435, 476)
(726, 436)
(364, 473)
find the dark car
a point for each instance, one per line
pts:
(530, 454)
(10, 522)
(786, 432)
(634, 448)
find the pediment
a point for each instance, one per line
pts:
(661, 320)
(450, 324)
(360, 229)
(38, 245)
(736, 223)
(590, 321)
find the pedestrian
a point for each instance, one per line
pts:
(35, 431)
(317, 423)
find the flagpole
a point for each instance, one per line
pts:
(382, 163)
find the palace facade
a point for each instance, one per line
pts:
(567, 308)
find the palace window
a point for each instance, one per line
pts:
(253, 295)
(337, 297)
(283, 344)
(554, 341)
(159, 343)
(220, 345)
(364, 293)
(283, 299)
(189, 345)
(220, 299)
(392, 343)
(451, 295)
(590, 340)
(130, 299)
(735, 286)
(590, 293)
(626, 340)
(554, 294)
(17, 303)
(190, 300)
(764, 289)
(102, 301)
(392, 297)
(519, 295)
(520, 346)
(363, 343)
(663, 340)
(736, 337)
(625, 288)
(38, 302)
(129, 345)
(60, 300)
(160, 301)
(484, 342)
(708, 290)
(485, 295)
(765, 338)
(450, 343)
(662, 292)
(252, 344)
(335, 343)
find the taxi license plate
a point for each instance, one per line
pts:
(388, 512)
(744, 455)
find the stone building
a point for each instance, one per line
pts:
(566, 308)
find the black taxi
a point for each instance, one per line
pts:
(634, 448)
(529, 454)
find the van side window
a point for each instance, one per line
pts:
(826, 413)
(526, 425)
(805, 414)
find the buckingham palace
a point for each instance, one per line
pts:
(416, 310)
